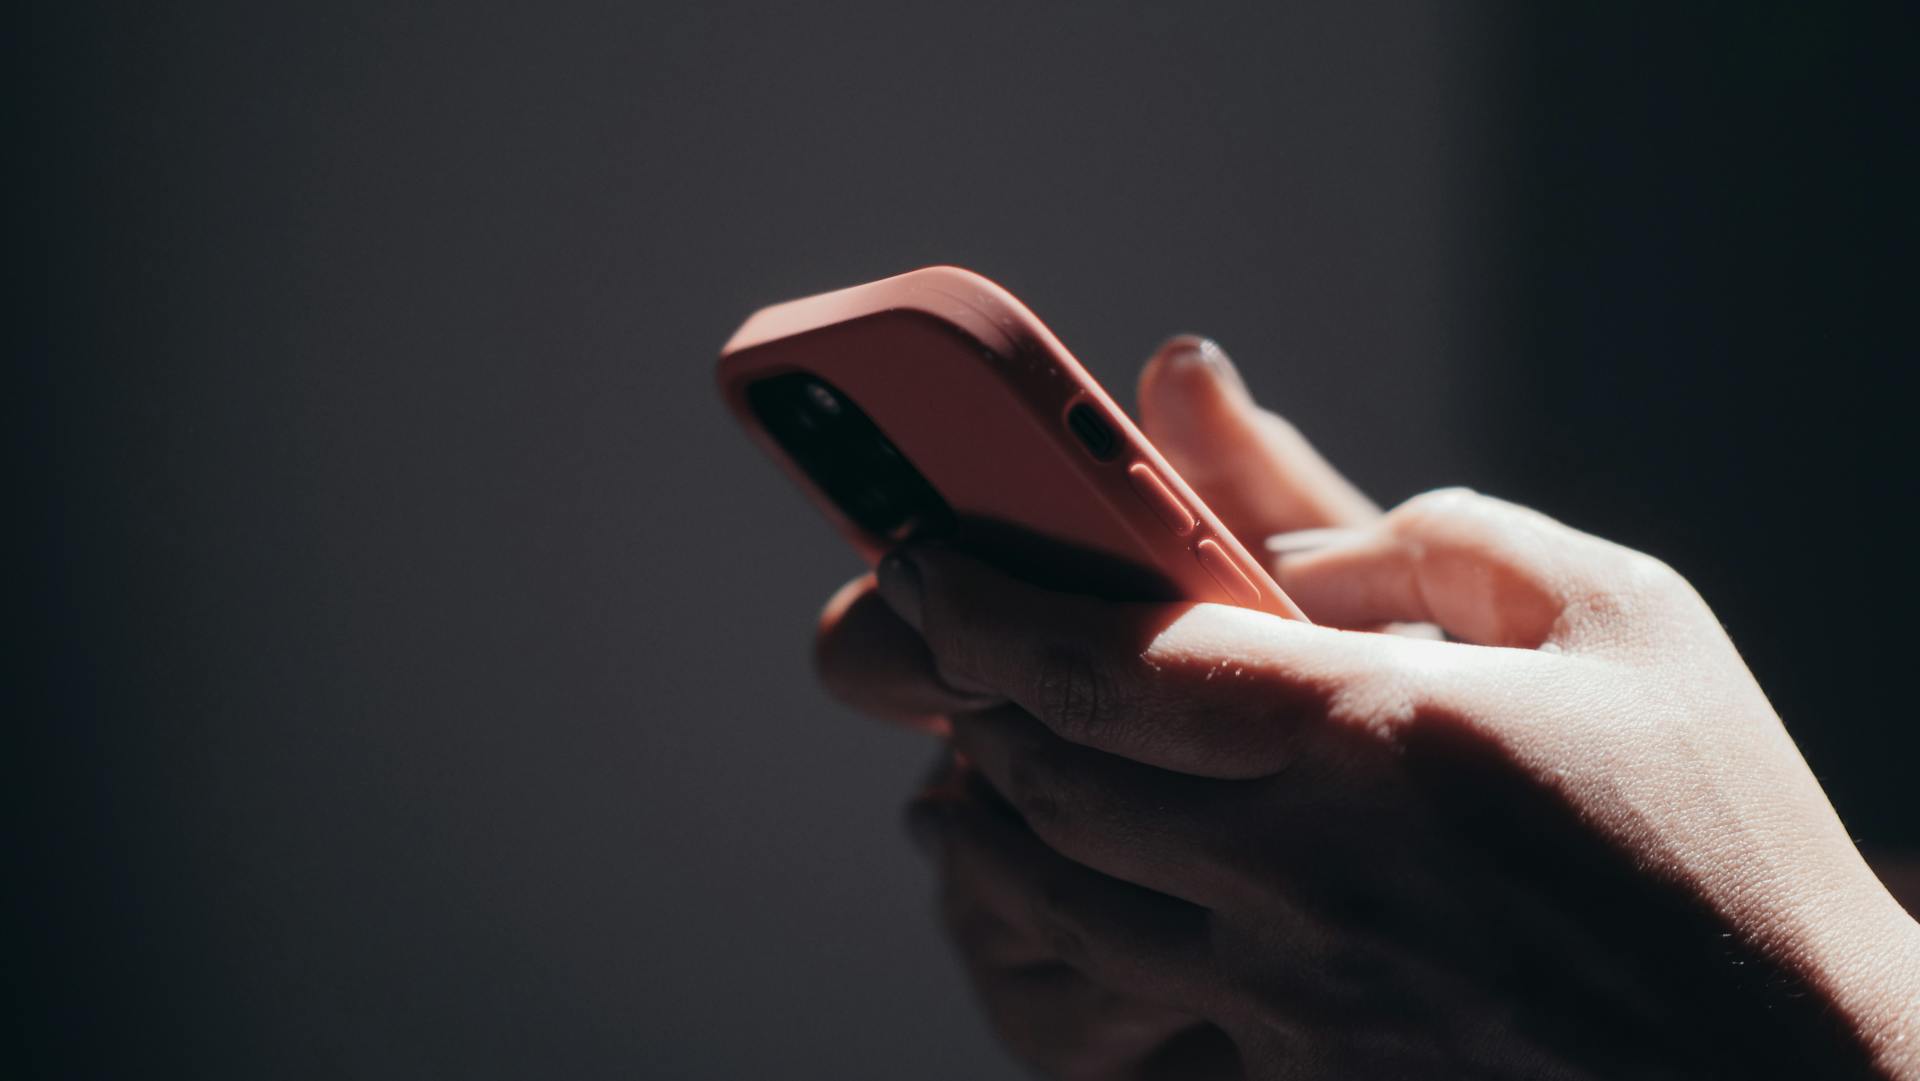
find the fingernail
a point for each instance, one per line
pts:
(899, 583)
(1190, 352)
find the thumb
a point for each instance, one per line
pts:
(1255, 470)
(1487, 571)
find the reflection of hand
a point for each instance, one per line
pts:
(1573, 842)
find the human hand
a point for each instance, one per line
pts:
(1256, 472)
(1575, 842)
(1262, 478)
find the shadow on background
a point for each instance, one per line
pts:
(1704, 334)
(418, 682)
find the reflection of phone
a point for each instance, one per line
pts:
(934, 406)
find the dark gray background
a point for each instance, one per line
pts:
(418, 682)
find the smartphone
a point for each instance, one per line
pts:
(933, 406)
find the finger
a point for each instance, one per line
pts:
(1486, 571)
(985, 933)
(870, 659)
(1047, 1012)
(1203, 689)
(1131, 940)
(1055, 1019)
(1280, 546)
(1148, 826)
(970, 891)
(1252, 467)
(988, 932)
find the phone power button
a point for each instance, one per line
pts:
(1157, 495)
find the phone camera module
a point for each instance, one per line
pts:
(848, 458)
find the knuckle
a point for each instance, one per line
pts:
(1078, 694)
(1633, 589)
(1438, 506)
(1650, 576)
(1462, 517)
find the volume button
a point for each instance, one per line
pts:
(1220, 565)
(1157, 495)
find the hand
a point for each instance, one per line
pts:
(1047, 1009)
(1255, 470)
(1573, 842)
(1263, 478)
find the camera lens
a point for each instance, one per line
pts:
(823, 400)
(827, 434)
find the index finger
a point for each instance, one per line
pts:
(1252, 466)
(1203, 689)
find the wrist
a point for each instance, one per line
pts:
(1860, 950)
(1873, 977)
(1843, 954)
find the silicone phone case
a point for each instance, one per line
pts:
(975, 392)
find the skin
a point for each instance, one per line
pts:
(1563, 836)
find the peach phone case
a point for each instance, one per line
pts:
(974, 391)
